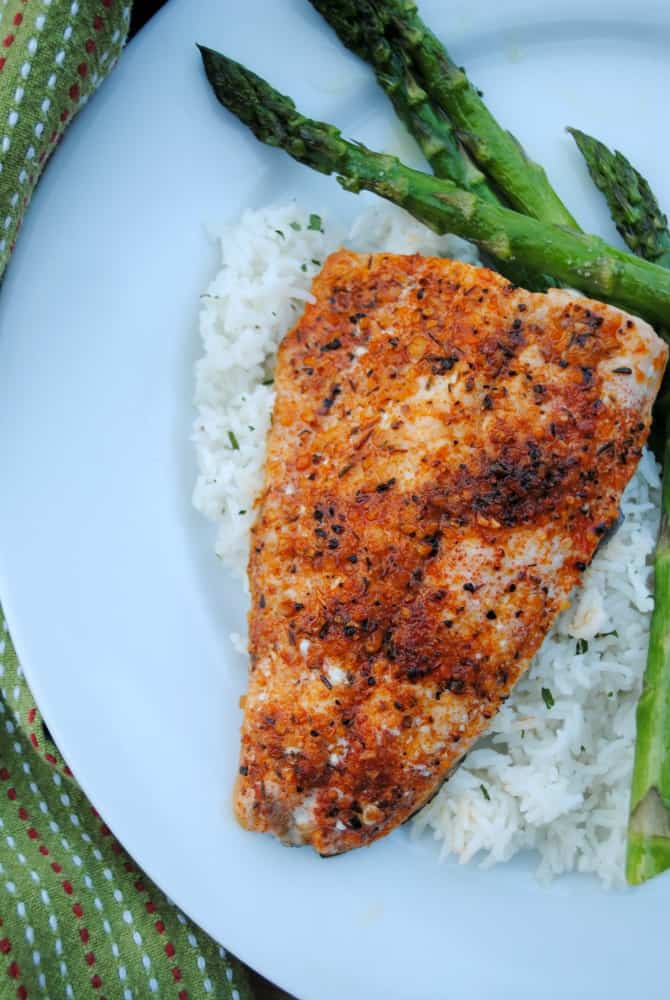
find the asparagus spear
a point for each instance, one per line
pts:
(361, 29)
(644, 228)
(584, 262)
(523, 182)
(631, 201)
(648, 849)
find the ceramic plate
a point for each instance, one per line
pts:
(119, 609)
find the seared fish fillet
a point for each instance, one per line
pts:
(447, 451)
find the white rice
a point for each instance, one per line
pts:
(553, 772)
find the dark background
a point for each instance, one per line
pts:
(141, 12)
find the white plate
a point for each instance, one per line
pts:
(120, 611)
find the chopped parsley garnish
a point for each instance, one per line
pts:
(267, 381)
(581, 647)
(315, 223)
(280, 233)
(234, 443)
(317, 263)
(241, 512)
(303, 267)
(485, 793)
(604, 635)
(547, 697)
(296, 226)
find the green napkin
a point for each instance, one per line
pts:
(77, 916)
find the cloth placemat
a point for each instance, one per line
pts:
(77, 916)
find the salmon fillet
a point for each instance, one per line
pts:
(446, 453)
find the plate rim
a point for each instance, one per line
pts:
(23, 644)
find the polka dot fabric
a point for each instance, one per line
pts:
(53, 55)
(77, 917)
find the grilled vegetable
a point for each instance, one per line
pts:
(644, 227)
(523, 182)
(648, 851)
(631, 201)
(582, 261)
(361, 29)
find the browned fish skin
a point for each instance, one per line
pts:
(446, 452)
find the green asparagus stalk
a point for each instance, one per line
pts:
(644, 228)
(523, 182)
(648, 848)
(361, 29)
(631, 201)
(584, 262)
